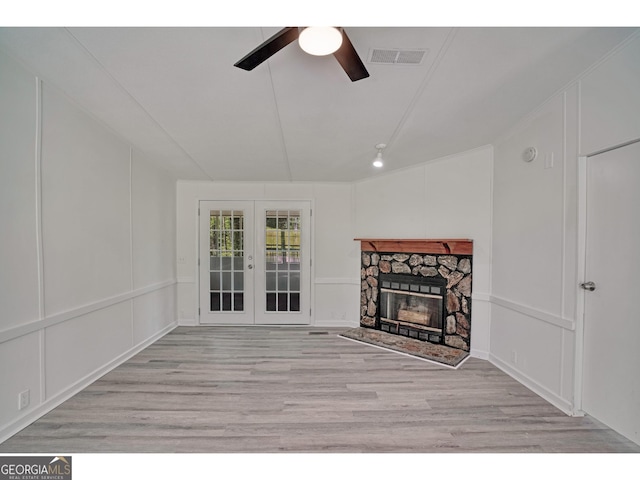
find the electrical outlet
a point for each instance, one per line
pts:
(23, 399)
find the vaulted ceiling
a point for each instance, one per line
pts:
(175, 94)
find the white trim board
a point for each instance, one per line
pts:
(557, 320)
(19, 331)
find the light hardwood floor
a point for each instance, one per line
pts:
(231, 389)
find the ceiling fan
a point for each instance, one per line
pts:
(345, 54)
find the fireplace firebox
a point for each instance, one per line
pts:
(412, 306)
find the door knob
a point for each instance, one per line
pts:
(249, 267)
(588, 286)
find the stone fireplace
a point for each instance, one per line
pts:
(418, 289)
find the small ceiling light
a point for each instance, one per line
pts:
(377, 162)
(320, 40)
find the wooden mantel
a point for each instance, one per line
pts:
(455, 246)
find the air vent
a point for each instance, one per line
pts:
(387, 56)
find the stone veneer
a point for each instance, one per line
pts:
(455, 269)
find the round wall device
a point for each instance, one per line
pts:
(529, 154)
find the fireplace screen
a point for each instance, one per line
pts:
(412, 306)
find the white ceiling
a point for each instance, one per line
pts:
(175, 94)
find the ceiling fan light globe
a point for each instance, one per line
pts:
(320, 40)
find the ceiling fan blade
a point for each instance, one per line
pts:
(274, 44)
(349, 60)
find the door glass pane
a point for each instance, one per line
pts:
(282, 243)
(294, 301)
(226, 281)
(215, 301)
(215, 281)
(226, 263)
(283, 280)
(294, 279)
(271, 281)
(271, 302)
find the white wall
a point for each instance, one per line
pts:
(446, 198)
(335, 276)
(443, 199)
(449, 198)
(87, 249)
(535, 238)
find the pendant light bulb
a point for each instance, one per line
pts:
(377, 162)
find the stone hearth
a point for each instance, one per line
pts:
(437, 353)
(449, 261)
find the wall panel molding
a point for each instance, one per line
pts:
(48, 321)
(557, 320)
(480, 296)
(336, 281)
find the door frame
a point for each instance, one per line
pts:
(311, 202)
(580, 296)
(581, 275)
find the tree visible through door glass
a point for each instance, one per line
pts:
(282, 268)
(226, 261)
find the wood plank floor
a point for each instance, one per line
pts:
(230, 389)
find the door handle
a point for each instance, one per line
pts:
(249, 267)
(588, 286)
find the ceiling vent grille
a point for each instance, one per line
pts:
(396, 57)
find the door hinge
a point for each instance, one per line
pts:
(198, 211)
(198, 262)
(311, 212)
(198, 311)
(309, 312)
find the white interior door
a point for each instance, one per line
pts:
(611, 355)
(255, 262)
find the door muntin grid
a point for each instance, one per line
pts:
(226, 260)
(282, 260)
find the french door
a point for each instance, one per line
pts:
(255, 263)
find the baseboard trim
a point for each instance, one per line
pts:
(481, 354)
(336, 323)
(187, 322)
(19, 424)
(558, 402)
